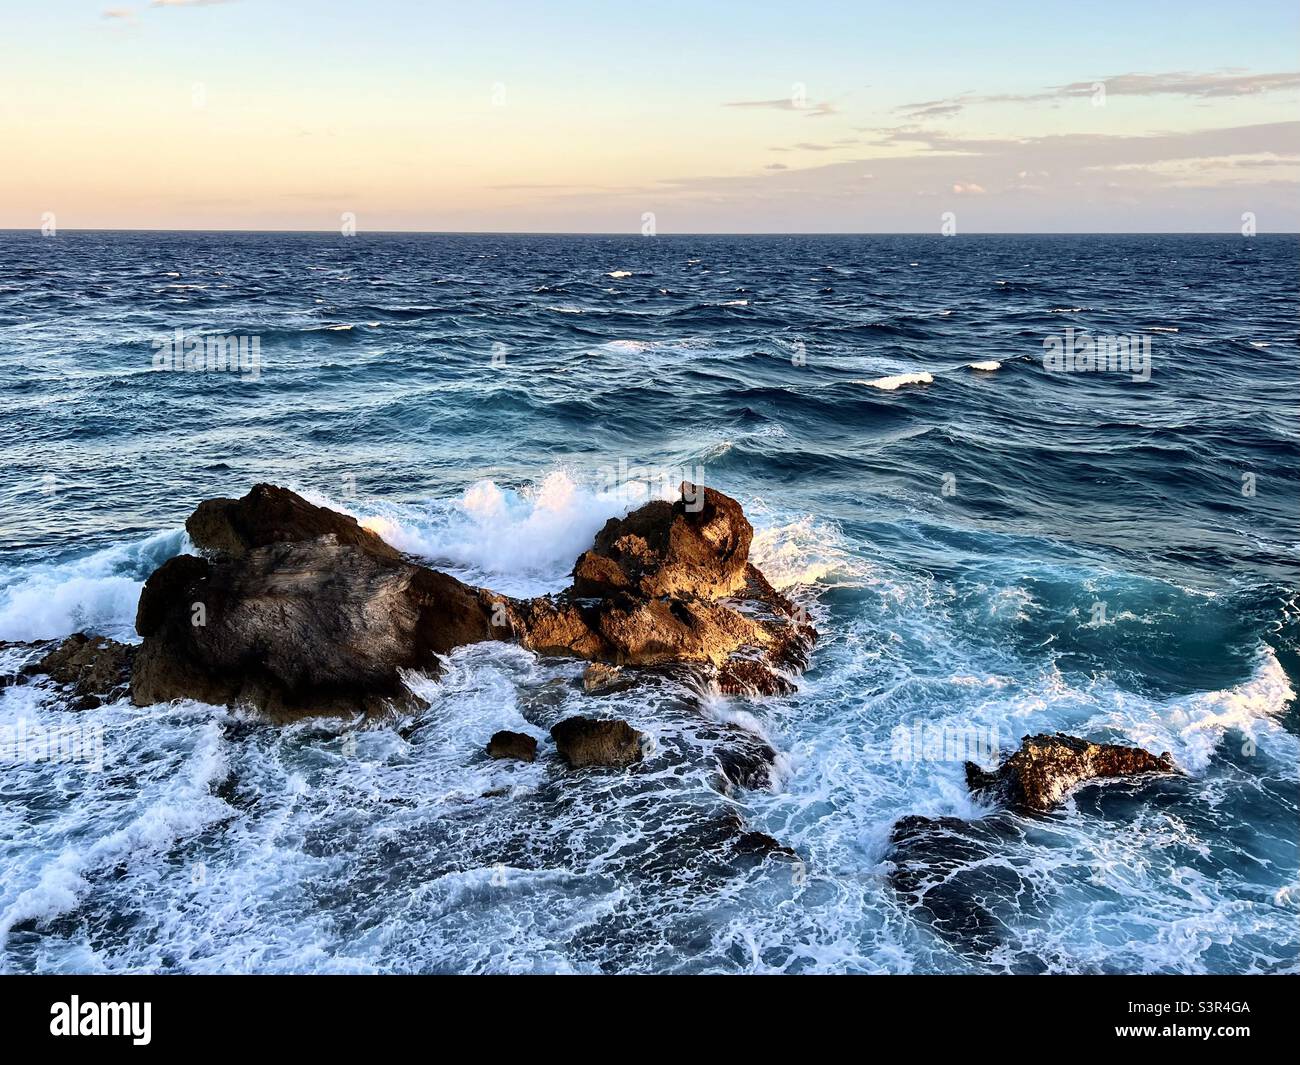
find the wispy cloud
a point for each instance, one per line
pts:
(790, 103)
(1179, 83)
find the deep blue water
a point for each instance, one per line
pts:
(1010, 550)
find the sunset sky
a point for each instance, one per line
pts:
(845, 117)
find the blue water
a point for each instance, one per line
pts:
(467, 396)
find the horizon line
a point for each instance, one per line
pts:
(36, 230)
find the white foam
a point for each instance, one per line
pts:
(97, 593)
(889, 384)
(987, 365)
(520, 542)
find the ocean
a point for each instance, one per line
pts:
(1104, 545)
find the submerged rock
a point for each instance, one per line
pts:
(584, 741)
(1045, 768)
(515, 745)
(745, 762)
(952, 875)
(269, 514)
(300, 627)
(94, 669)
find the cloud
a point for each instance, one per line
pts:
(790, 103)
(1226, 84)
(118, 13)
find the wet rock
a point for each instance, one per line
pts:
(300, 627)
(269, 514)
(600, 679)
(93, 669)
(585, 741)
(515, 745)
(1040, 774)
(952, 874)
(297, 609)
(747, 676)
(697, 546)
(745, 762)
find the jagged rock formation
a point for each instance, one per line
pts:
(304, 626)
(295, 609)
(92, 669)
(1045, 768)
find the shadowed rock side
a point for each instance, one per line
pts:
(514, 745)
(306, 626)
(1045, 768)
(297, 609)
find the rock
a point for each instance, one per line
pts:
(512, 745)
(93, 668)
(1045, 768)
(747, 676)
(300, 627)
(584, 741)
(951, 873)
(297, 609)
(697, 546)
(272, 515)
(745, 762)
(600, 679)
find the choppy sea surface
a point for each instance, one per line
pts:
(989, 552)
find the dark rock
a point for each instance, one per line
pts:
(745, 762)
(297, 609)
(697, 546)
(600, 679)
(300, 627)
(272, 515)
(747, 676)
(763, 844)
(512, 745)
(1045, 768)
(949, 873)
(584, 741)
(94, 669)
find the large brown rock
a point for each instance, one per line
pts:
(297, 609)
(269, 514)
(1045, 768)
(697, 546)
(300, 627)
(93, 669)
(585, 741)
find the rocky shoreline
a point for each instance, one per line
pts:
(293, 609)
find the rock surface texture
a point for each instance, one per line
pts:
(294, 608)
(1046, 768)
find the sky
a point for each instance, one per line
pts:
(705, 116)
